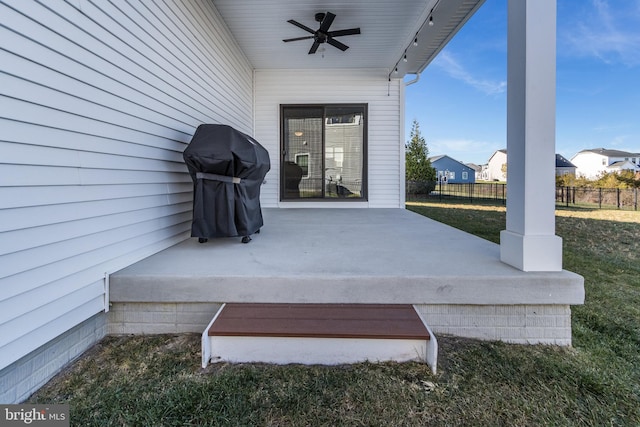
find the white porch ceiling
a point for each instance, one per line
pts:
(388, 28)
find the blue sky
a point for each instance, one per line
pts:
(460, 99)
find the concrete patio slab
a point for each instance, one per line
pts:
(343, 256)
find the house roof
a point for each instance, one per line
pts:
(436, 158)
(388, 29)
(623, 164)
(562, 162)
(609, 153)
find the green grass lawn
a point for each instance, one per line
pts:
(156, 380)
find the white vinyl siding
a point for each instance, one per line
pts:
(371, 87)
(590, 165)
(97, 102)
(495, 168)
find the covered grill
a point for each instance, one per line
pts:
(227, 168)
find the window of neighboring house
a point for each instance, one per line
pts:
(302, 160)
(465, 176)
(604, 162)
(452, 175)
(327, 146)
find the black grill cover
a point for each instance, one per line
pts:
(227, 168)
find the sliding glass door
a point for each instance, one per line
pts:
(323, 152)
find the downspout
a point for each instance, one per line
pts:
(410, 82)
(106, 292)
(403, 184)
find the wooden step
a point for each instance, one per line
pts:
(318, 333)
(320, 321)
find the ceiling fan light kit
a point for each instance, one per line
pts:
(322, 34)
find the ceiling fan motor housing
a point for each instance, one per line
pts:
(320, 37)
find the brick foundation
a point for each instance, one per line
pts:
(159, 318)
(23, 377)
(523, 324)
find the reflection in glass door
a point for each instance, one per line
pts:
(323, 152)
(302, 162)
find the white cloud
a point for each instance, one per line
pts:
(456, 70)
(619, 141)
(609, 34)
(612, 127)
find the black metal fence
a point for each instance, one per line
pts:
(602, 198)
(488, 191)
(608, 198)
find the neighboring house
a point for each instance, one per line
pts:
(564, 166)
(451, 171)
(98, 100)
(594, 162)
(497, 166)
(484, 172)
(477, 169)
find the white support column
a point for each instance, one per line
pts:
(529, 243)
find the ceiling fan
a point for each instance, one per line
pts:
(322, 34)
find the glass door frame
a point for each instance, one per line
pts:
(364, 153)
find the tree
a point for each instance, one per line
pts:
(629, 178)
(419, 174)
(623, 179)
(417, 164)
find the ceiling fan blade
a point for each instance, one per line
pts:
(349, 32)
(336, 43)
(297, 38)
(314, 47)
(326, 22)
(299, 25)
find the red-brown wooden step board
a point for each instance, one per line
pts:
(382, 321)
